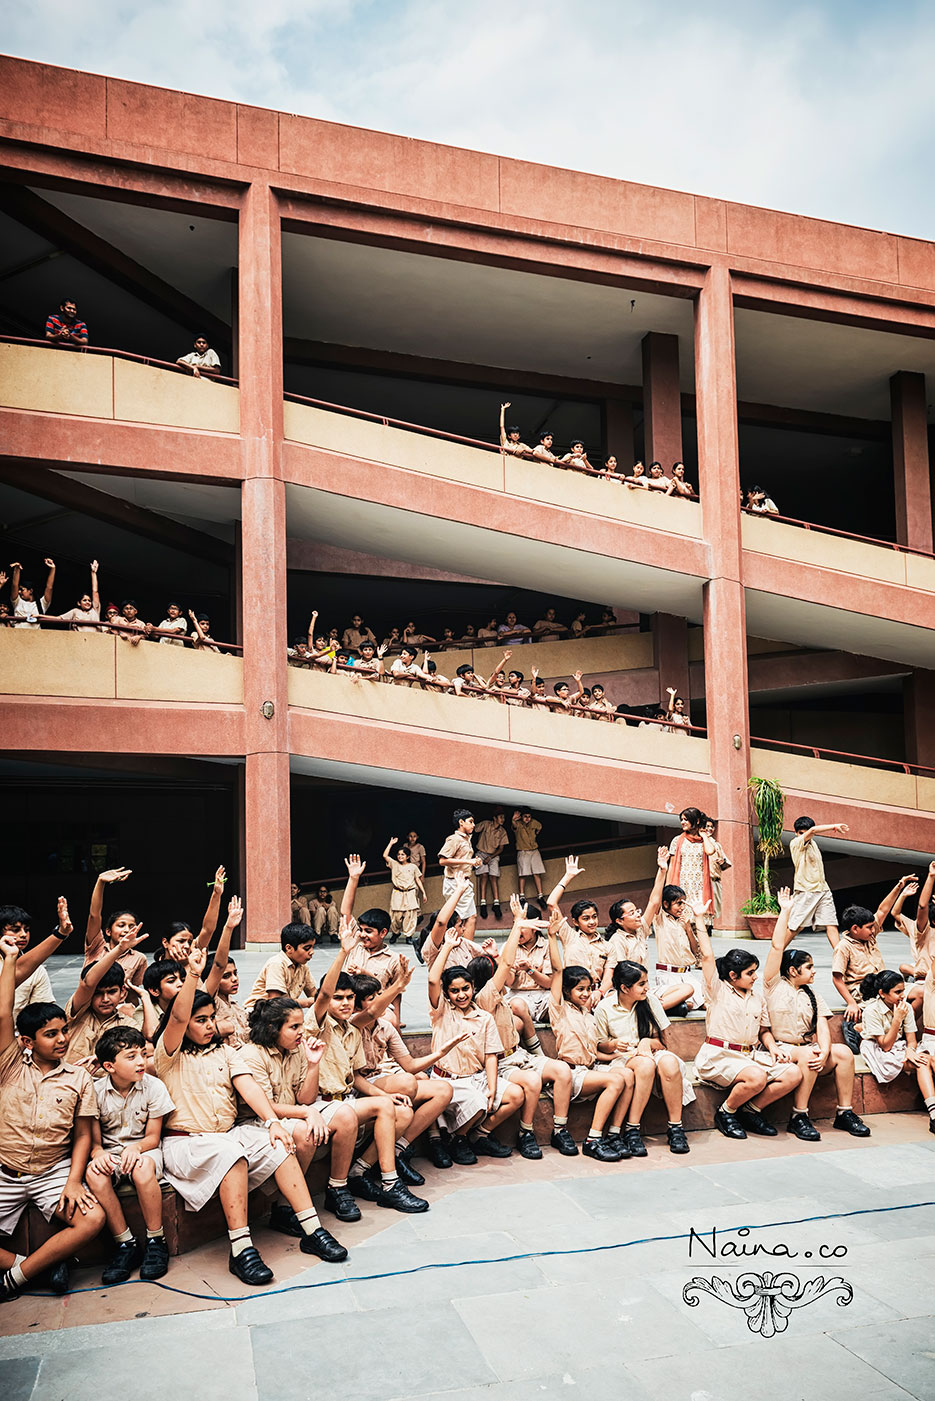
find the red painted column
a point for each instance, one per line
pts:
(670, 654)
(911, 468)
(262, 559)
(725, 640)
(662, 400)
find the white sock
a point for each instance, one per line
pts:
(308, 1220)
(594, 1133)
(533, 1044)
(16, 1273)
(240, 1240)
(125, 1237)
(389, 1179)
(358, 1168)
(402, 1144)
(156, 1235)
(930, 1106)
(337, 1181)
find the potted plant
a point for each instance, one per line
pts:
(767, 801)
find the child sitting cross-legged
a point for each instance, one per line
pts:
(372, 1174)
(45, 1136)
(127, 1140)
(205, 1150)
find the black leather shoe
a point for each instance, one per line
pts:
(497, 912)
(127, 1255)
(366, 1186)
(438, 1153)
(618, 1143)
(283, 1219)
(406, 1172)
(399, 1198)
(8, 1290)
(487, 1145)
(323, 1244)
(60, 1278)
(847, 1120)
(634, 1142)
(681, 1009)
(250, 1268)
(801, 1125)
(563, 1141)
(417, 941)
(341, 1204)
(601, 1149)
(526, 1144)
(483, 909)
(678, 1143)
(728, 1124)
(155, 1258)
(754, 1122)
(461, 1151)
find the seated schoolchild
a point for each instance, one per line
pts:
(678, 976)
(481, 1098)
(102, 933)
(98, 1001)
(527, 989)
(631, 1026)
(890, 1045)
(43, 1163)
(287, 973)
(223, 983)
(161, 981)
(593, 1075)
(798, 1019)
(128, 1147)
(372, 1174)
(181, 937)
(371, 953)
(582, 942)
(32, 984)
(205, 1150)
(446, 920)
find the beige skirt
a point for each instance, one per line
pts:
(717, 1066)
(469, 1098)
(196, 1164)
(688, 1094)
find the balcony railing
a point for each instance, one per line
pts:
(129, 631)
(820, 751)
(116, 355)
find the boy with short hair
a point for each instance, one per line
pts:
(583, 944)
(510, 438)
(855, 955)
(405, 668)
(526, 831)
(812, 901)
(458, 859)
(45, 1136)
(287, 974)
(491, 838)
(31, 985)
(130, 618)
(23, 596)
(97, 1002)
(174, 622)
(127, 1138)
(368, 952)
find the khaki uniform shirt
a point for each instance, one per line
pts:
(575, 1031)
(628, 948)
(582, 950)
(85, 1028)
(484, 1039)
(734, 1016)
(537, 955)
(790, 1011)
(201, 1088)
(616, 1023)
(232, 1012)
(279, 1077)
(403, 875)
(457, 855)
(877, 1019)
(382, 1046)
(39, 1111)
(132, 963)
(673, 946)
(491, 837)
(344, 1054)
(489, 1000)
(382, 963)
(525, 834)
(283, 977)
(808, 863)
(854, 959)
(124, 1117)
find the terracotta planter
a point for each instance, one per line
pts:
(761, 926)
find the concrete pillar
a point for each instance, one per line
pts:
(262, 558)
(618, 432)
(670, 655)
(919, 717)
(725, 641)
(911, 470)
(662, 400)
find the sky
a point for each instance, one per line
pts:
(825, 108)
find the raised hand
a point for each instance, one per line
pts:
(131, 938)
(196, 960)
(220, 880)
(517, 907)
(505, 406)
(572, 868)
(8, 946)
(94, 566)
(313, 1048)
(700, 910)
(662, 857)
(404, 976)
(841, 827)
(355, 867)
(119, 873)
(453, 938)
(455, 1041)
(49, 563)
(784, 896)
(234, 911)
(65, 926)
(347, 933)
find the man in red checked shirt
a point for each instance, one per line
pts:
(63, 327)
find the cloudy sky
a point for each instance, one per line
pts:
(824, 108)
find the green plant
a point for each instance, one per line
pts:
(768, 802)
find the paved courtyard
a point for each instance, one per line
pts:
(520, 1284)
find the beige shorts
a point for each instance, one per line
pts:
(469, 1098)
(812, 909)
(490, 865)
(536, 999)
(154, 1155)
(716, 1066)
(465, 906)
(661, 980)
(196, 1164)
(688, 1094)
(521, 1059)
(42, 1188)
(529, 863)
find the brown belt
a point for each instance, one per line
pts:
(14, 1172)
(926, 1031)
(324, 1094)
(670, 968)
(176, 1133)
(728, 1045)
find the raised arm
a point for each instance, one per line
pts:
(839, 827)
(503, 409)
(312, 622)
(503, 973)
(16, 570)
(210, 921)
(556, 956)
(92, 976)
(29, 961)
(50, 581)
(7, 991)
(95, 593)
(888, 901)
(199, 630)
(705, 951)
(782, 937)
(451, 941)
(222, 952)
(654, 903)
(388, 995)
(180, 1011)
(93, 931)
(572, 869)
(355, 869)
(439, 928)
(925, 897)
(386, 852)
(330, 981)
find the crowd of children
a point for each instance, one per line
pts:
(154, 1076)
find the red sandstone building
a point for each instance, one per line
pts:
(373, 300)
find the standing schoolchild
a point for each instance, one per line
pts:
(457, 859)
(812, 901)
(678, 981)
(408, 891)
(526, 829)
(736, 1021)
(631, 1027)
(798, 1019)
(205, 1150)
(128, 1147)
(890, 1045)
(481, 1099)
(518, 1065)
(576, 1039)
(491, 837)
(45, 1136)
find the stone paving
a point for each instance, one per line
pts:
(533, 1304)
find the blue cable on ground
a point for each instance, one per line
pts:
(491, 1260)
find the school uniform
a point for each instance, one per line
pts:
(382, 963)
(525, 986)
(853, 959)
(628, 948)
(201, 1137)
(404, 899)
(133, 963)
(281, 976)
(921, 958)
(228, 1011)
(812, 901)
(279, 1075)
(513, 1055)
(491, 838)
(124, 1116)
(382, 1046)
(464, 1066)
(85, 1028)
(326, 919)
(676, 959)
(876, 1020)
(528, 856)
(342, 1060)
(616, 1023)
(35, 988)
(733, 1021)
(36, 1131)
(793, 1019)
(576, 1041)
(417, 856)
(458, 849)
(582, 950)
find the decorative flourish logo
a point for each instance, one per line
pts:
(767, 1299)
